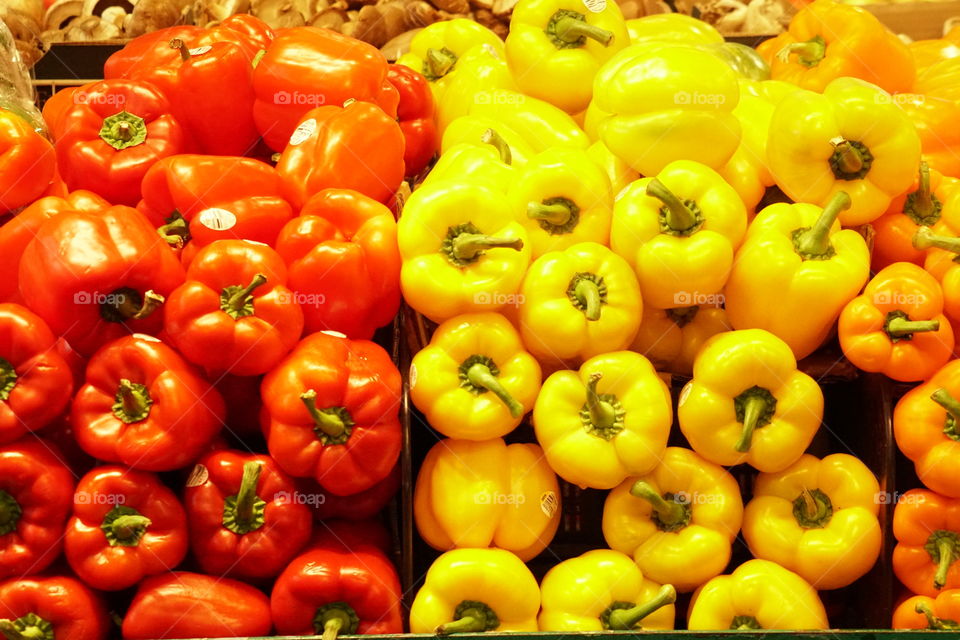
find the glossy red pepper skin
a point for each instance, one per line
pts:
(36, 491)
(109, 553)
(89, 276)
(307, 67)
(60, 103)
(344, 262)
(220, 326)
(35, 381)
(355, 147)
(192, 605)
(51, 608)
(218, 197)
(417, 118)
(114, 133)
(165, 413)
(359, 584)
(359, 506)
(27, 162)
(17, 233)
(257, 545)
(351, 440)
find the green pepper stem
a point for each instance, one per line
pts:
(127, 307)
(753, 409)
(480, 375)
(557, 214)
(923, 203)
(670, 512)
(178, 44)
(239, 300)
(467, 246)
(679, 216)
(490, 136)
(10, 632)
(934, 622)
(128, 527)
(329, 423)
(849, 158)
(809, 53)
(8, 378)
(602, 414)
(943, 398)
(466, 624)
(815, 241)
(247, 496)
(588, 293)
(925, 238)
(898, 327)
(439, 62)
(331, 628)
(945, 548)
(626, 619)
(570, 29)
(814, 511)
(175, 232)
(132, 400)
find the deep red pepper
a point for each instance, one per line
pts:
(36, 491)
(27, 162)
(97, 276)
(359, 506)
(52, 608)
(126, 525)
(330, 412)
(144, 406)
(417, 118)
(353, 534)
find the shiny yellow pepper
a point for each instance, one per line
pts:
(476, 590)
(562, 198)
(474, 380)
(850, 138)
(603, 590)
(747, 402)
(618, 172)
(487, 494)
(759, 594)
(795, 272)
(479, 69)
(665, 104)
(436, 50)
(488, 164)
(678, 522)
(472, 129)
(579, 303)
(674, 28)
(556, 47)
(462, 249)
(817, 518)
(672, 338)
(679, 231)
(609, 420)
(541, 124)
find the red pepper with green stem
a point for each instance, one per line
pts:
(126, 526)
(416, 114)
(344, 263)
(246, 518)
(27, 162)
(144, 406)
(54, 608)
(36, 490)
(330, 413)
(97, 276)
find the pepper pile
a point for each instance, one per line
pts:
(196, 428)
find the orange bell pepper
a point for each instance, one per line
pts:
(942, 246)
(897, 327)
(940, 80)
(938, 123)
(827, 40)
(928, 52)
(923, 612)
(927, 528)
(925, 425)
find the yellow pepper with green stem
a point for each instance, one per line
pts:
(541, 124)
(488, 163)
(672, 338)
(436, 50)
(472, 129)
(479, 69)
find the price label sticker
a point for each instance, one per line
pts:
(549, 503)
(198, 476)
(595, 6)
(303, 132)
(217, 219)
(199, 51)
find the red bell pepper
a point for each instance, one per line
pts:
(344, 263)
(234, 313)
(97, 276)
(246, 518)
(353, 534)
(16, 234)
(307, 67)
(60, 103)
(52, 608)
(330, 590)
(355, 147)
(417, 118)
(36, 490)
(144, 406)
(191, 605)
(126, 525)
(331, 413)
(359, 506)
(27, 162)
(113, 134)
(199, 199)
(35, 380)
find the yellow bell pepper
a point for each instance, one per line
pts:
(817, 518)
(795, 272)
(603, 590)
(475, 590)
(488, 164)
(609, 420)
(757, 595)
(618, 172)
(678, 522)
(479, 69)
(462, 249)
(665, 104)
(435, 51)
(679, 231)
(540, 123)
(747, 402)
(474, 380)
(676, 28)
(672, 338)
(851, 138)
(562, 198)
(579, 303)
(487, 494)
(556, 47)
(471, 130)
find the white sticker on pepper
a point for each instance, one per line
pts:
(217, 219)
(549, 503)
(198, 476)
(303, 132)
(413, 376)
(595, 6)
(199, 51)
(687, 388)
